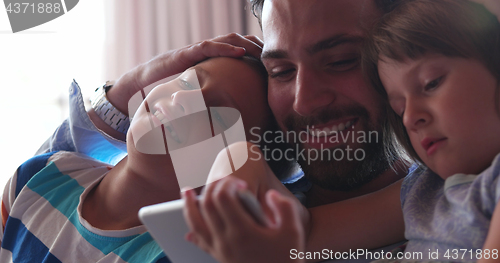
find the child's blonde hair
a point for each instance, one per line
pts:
(454, 28)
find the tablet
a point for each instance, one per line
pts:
(165, 222)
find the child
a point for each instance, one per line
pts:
(67, 207)
(438, 64)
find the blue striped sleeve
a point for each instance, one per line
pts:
(30, 168)
(17, 239)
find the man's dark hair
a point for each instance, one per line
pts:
(384, 5)
(257, 9)
(387, 5)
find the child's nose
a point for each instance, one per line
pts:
(189, 101)
(415, 115)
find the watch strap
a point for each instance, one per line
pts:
(107, 112)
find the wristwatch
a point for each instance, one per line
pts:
(107, 112)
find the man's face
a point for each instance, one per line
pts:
(312, 55)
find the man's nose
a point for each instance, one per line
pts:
(311, 93)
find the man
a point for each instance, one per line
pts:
(312, 54)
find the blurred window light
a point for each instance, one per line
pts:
(36, 70)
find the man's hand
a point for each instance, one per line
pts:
(176, 61)
(222, 227)
(171, 63)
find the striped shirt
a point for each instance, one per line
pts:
(41, 216)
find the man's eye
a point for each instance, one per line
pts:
(433, 84)
(282, 75)
(186, 85)
(344, 65)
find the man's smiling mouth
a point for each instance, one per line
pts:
(329, 130)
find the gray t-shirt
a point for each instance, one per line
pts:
(449, 219)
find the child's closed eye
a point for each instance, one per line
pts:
(432, 85)
(398, 106)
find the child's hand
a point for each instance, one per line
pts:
(230, 234)
(221, 226)
(492, 5)
(255, 174)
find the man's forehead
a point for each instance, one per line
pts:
(315, 47)
(314, 21)
(300, 9)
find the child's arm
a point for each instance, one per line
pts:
(365, 222)
(493, 239)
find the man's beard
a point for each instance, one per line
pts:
(344, 174)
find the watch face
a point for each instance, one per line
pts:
(108, 85)
(98, 95)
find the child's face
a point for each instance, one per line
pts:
(448, 108)
(183, 124)
(181, 106)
